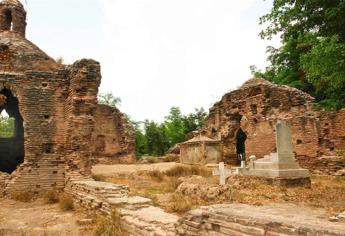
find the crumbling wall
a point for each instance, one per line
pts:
(113, 138)
(255, 108)
(43, 162)
(332, 133)
(84, 77)
(258, 105)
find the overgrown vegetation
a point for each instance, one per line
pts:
(27, 196)
(181, 171)
(51, 197)
(160, 186)
(66, 202)
(109, 227)
(312, 57)
(100, 178)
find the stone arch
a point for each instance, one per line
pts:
(12, 148)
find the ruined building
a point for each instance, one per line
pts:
(244, 121)
(60, 130)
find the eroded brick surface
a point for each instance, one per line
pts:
(258, 105)
(58, 108)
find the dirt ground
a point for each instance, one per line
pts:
(37, 218)
(109, 170)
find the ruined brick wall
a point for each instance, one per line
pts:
(258, 105)
(255, 108)
(113, 139)
(332, 133)
(84, 77)
(56, 107)
(43, 162)
(12, 15)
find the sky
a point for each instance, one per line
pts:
(156, 54)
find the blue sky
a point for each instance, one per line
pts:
(156, 54)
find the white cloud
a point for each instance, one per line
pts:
(186, 53)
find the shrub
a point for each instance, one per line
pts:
(172, 184)
(152, 160)
(156, 175)
(66, 202)
(51, 197)
(179, 171)
(100, 178)
(180, 203)
(23, 196)
(109, 227)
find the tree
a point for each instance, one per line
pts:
(156, 140)
(6, 126)
(194, 121)
(311, 31)
(174, 124)
(109, 99)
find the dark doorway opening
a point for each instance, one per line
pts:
(12, 143)
(8, 19)
(241, 138)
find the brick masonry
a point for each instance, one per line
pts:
(61, 118)
(258, 105)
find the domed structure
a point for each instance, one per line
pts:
(17, 54)
(12, 16)
(59, 129)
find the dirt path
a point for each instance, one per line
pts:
(109, 170)
(36, 219)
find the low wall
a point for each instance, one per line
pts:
(323, 165)
(140, 218)
(138, 215)
(245, 220)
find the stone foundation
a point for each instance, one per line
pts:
(244, 220)
(137, 213)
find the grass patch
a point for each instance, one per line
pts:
(180, 171)
(156, 175)
(51, 197)
(66, 202)
(151, 160)
(24, 196)
(99, 178)
(109, 227)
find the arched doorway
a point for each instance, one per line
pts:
(11, 133)
(240, 145)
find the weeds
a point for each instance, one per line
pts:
(99, 178)
(23, 196)
(51, 197)
(180, 171)
(109, 227)
(66, 202)
(156, 175)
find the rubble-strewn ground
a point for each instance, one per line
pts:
(179, 193)
(36, 219)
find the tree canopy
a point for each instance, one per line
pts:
(312, 57)
(109, 99)
(156, 138)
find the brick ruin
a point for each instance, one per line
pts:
(244, 121)
(60, 130)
